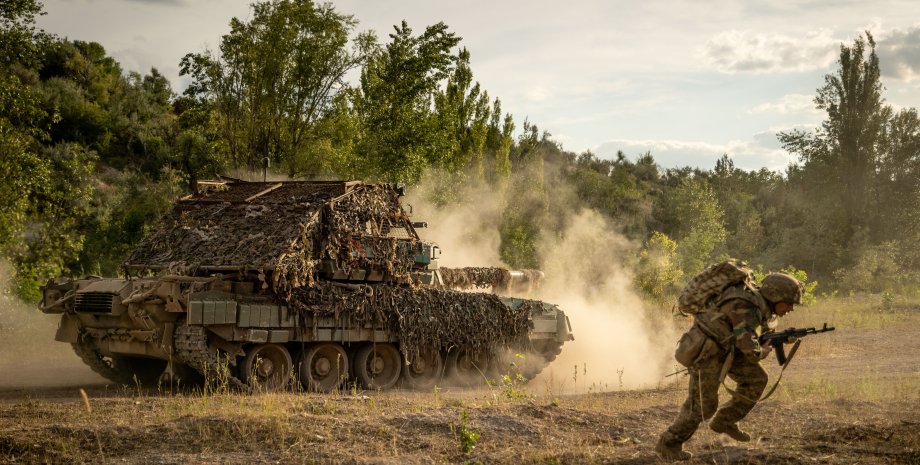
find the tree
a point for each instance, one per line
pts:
(23, 123)
(698, 222)
(275, 77)
(463, 110)
(20, 40)
(899, 175)
(498, 143)
(658, 273)
(736, 191)
(56, 209)
(400, 134)
(840, 159)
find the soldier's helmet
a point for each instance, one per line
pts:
(780, 287)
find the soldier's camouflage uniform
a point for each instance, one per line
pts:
(735, 322)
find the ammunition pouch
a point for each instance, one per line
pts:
(694, 346)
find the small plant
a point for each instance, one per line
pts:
(887, 301)
(468, 437)
(512, 383)
(437, 395)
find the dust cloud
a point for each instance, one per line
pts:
(29, 355)
(467, 234)
(619, 342)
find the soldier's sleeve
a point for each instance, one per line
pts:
(746, 327)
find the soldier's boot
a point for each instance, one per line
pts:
(669, 449)
(731, 429)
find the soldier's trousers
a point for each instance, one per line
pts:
(703, 398)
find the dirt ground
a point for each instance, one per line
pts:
(850, 396)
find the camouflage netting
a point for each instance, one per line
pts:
(227, 228)
(499, 279)
(286, 228)
(295, 233)
(475, 277)
(424, 317)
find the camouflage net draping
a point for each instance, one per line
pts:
(476, 277)
(216, 230)
(358, 233)
(283, 229)
(292, 232)
(423, 317)
(499, 279)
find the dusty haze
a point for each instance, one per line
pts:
(619, 343)
(29, 355)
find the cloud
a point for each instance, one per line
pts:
(763, 150)
(535, 94)
(787, 104)
(745, 52)
(899, 53)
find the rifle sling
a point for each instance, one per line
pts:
(727, 365)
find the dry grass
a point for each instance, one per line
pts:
(850, 396)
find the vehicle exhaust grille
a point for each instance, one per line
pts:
(94, 302)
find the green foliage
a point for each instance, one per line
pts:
(499, 141)
(841, 160)
(57, 207)
(123, 213)
(519, 241)
(658, 274)
(698, 225)
(401, 134)
(468, 437)
(91, 157)
(275, 77)
(808, 287)
(617, 188)
(19, 38)
(513, 382)
(877, 269)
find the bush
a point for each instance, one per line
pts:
(878, 269)
(658, 273)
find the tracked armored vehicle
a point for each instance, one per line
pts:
(262, 284)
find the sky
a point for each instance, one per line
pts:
(687, 81)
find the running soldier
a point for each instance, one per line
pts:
(733, 324)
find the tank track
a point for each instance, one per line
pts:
(191, 348)
(547, 355)
(93, 359)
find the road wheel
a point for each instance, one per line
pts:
(424, 371)
(323, 367)
(466, 369)
(267, 366)
(377, 366)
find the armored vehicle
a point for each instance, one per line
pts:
(263, 284)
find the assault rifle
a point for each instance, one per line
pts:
(778, 339)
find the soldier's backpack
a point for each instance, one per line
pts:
(710, 283)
